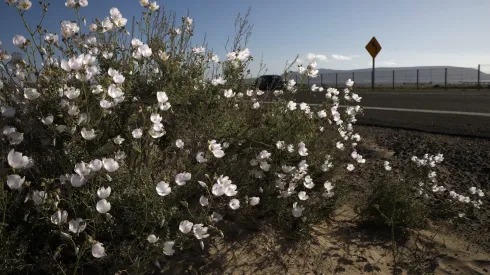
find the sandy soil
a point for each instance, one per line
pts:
(342, 245)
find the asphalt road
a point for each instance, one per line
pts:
(462, 113)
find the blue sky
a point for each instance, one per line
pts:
(411, 33)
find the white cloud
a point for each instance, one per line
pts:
(316, 57)
(389, 63)
(341, 57)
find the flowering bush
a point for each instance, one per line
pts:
(124, 154)
(409, 197)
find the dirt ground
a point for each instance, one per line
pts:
(342, 246)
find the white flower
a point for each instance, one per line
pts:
(234, 204)
(350, 167)
(216, 217)
(255, 105)
(73, 110)
(200, 157)
(155, 118)
(356, 97)
(185, 226)
(39, 197)
(77, 180)
(168, 248)
(198, 50)
(179, 143)
(280, 145)
(137, 133)
(297, 210)
(110, 164)
(156, 134)
(70, 4)
(204, 201)
(322, 114)
(152, 238)
(200, 231)
(164, 106)
(229, 93)
(19, 40)
(114, 91)
(308, 182)
(118, 140)
(163, 55)
(83, 3)
(15, 138)
(154, 6)
(349, 83)
(244, 54)
(103, 206)
(69, 28)
(328, 186)
(95, 165)
(15, 182)
(76, 226)
(340, 145)
(98, 250)
(82, 169)
(103, 192)
(163, 188)
(254, 201)
(292, 105)
(387, 166)
(47, 120)
(145, 50)
(31, 93)
(265, 166)
(16, 160)
(162, 97)
(302, 150)
(59, 218)
(303, 196)
(72, 93)
(215, 148)
(182, 178)
(215, 58)
(88, 134)
(218, 81)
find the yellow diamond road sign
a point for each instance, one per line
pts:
(373, 47)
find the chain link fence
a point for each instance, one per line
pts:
(477, 77)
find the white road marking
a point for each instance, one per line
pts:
(426, 111)
(409, 110)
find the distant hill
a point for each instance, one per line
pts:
(403, 75)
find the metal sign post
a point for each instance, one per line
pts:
(373, 47)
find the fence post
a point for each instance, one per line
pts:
(445, 78)
(336, 79)
(417, 79)
(478, 77)
(352, 76)
(393, 79)
(296, 78)
(321, 80)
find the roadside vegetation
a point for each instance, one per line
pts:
(132, 150)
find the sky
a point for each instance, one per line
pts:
(332, 33)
